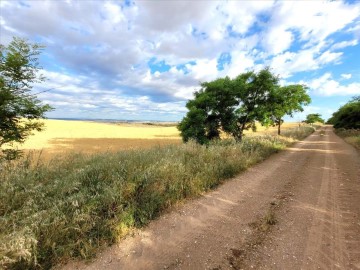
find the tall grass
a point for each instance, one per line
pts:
(351, 136)
(71, 206)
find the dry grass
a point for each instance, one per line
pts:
(68, 130)
(63, 136)
(271, 130)
(351, 136)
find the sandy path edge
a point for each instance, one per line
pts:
(204, 233)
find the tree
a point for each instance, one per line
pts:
(251, 91)
(19, 108)
(313, 118)
(206, 111)
(229, 105)
(285, 101)
(348, 116)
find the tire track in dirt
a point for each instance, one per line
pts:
(313, 189)
(340, 220)
(326, 235)
(320, 227)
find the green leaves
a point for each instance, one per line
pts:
(286, 100)
(19, 70)
(234, 105)
(348, 116)
(313, 118)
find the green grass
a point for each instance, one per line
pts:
(70, 207)
(352, 136)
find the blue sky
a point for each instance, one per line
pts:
(142, 60)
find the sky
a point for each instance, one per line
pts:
(142, 60)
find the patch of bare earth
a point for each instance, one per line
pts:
(300, 209)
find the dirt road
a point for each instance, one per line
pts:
(300, 209)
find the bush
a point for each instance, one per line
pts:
(348, 116)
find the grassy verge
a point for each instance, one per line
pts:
(72, 205)
(351, 136)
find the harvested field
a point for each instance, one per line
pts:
(62, 136)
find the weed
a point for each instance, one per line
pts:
(270, 218)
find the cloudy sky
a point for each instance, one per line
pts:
(142, 60)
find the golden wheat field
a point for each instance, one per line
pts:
(85, 136)
(61, 136)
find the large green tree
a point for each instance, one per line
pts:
(228, 105)
(251, 92)
(348, 116)
(286, 100)
(19, 108)
(208, 111)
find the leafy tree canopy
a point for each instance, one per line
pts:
(19, 109)
(234, 105)
(348, 116)
(313, 118)
(287, 100)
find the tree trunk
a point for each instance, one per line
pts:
(279, 124)
(238, 136)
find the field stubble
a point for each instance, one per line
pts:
(62, 137)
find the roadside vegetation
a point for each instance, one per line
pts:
(351, 136)
(346, 121)
(69, 207)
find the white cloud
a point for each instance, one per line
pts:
(278, 40)
(100, 50)
(327, 86)
(114, 13)
(241, 61)
(355, 30)
(344, 44)
(204, 70)
(242, 15)
(312, 21)
(346, 76)
(328, 57)
(88, 98)
(289, 63)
